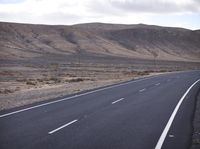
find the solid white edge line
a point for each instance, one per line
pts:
(117, 100)
(90, 92)
(169, 123)
(61, 127)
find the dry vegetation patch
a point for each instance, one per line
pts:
(43, 82)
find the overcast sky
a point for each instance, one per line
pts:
(179, 13)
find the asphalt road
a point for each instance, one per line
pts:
(154, 112)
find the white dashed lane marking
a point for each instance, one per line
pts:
(61, 127)
(117, 100)
(142, 90)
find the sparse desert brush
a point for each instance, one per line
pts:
(139, 73)
(53, 79)
(47, 80)
(56, 80)
(71, 75)
(31, 82)
(142, 73)
(17, 88)
(162, 70)
(40, 80)
(6, 91)
(75, 80)
(21, 80)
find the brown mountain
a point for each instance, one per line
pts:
(25, 41)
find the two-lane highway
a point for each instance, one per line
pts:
(153, 112)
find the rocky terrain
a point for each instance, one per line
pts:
(25, 41)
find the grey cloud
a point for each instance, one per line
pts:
(59, 18)
(16, 17)
(51, 18)
(102, 8)
(11, 1)
(117, 7)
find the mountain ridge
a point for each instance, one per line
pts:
(22, 41)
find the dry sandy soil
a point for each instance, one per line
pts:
(25, 84)
(20, 85)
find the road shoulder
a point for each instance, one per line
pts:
(196, 125)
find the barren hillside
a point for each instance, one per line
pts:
(22, 41)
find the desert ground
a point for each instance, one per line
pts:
(24, 82)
